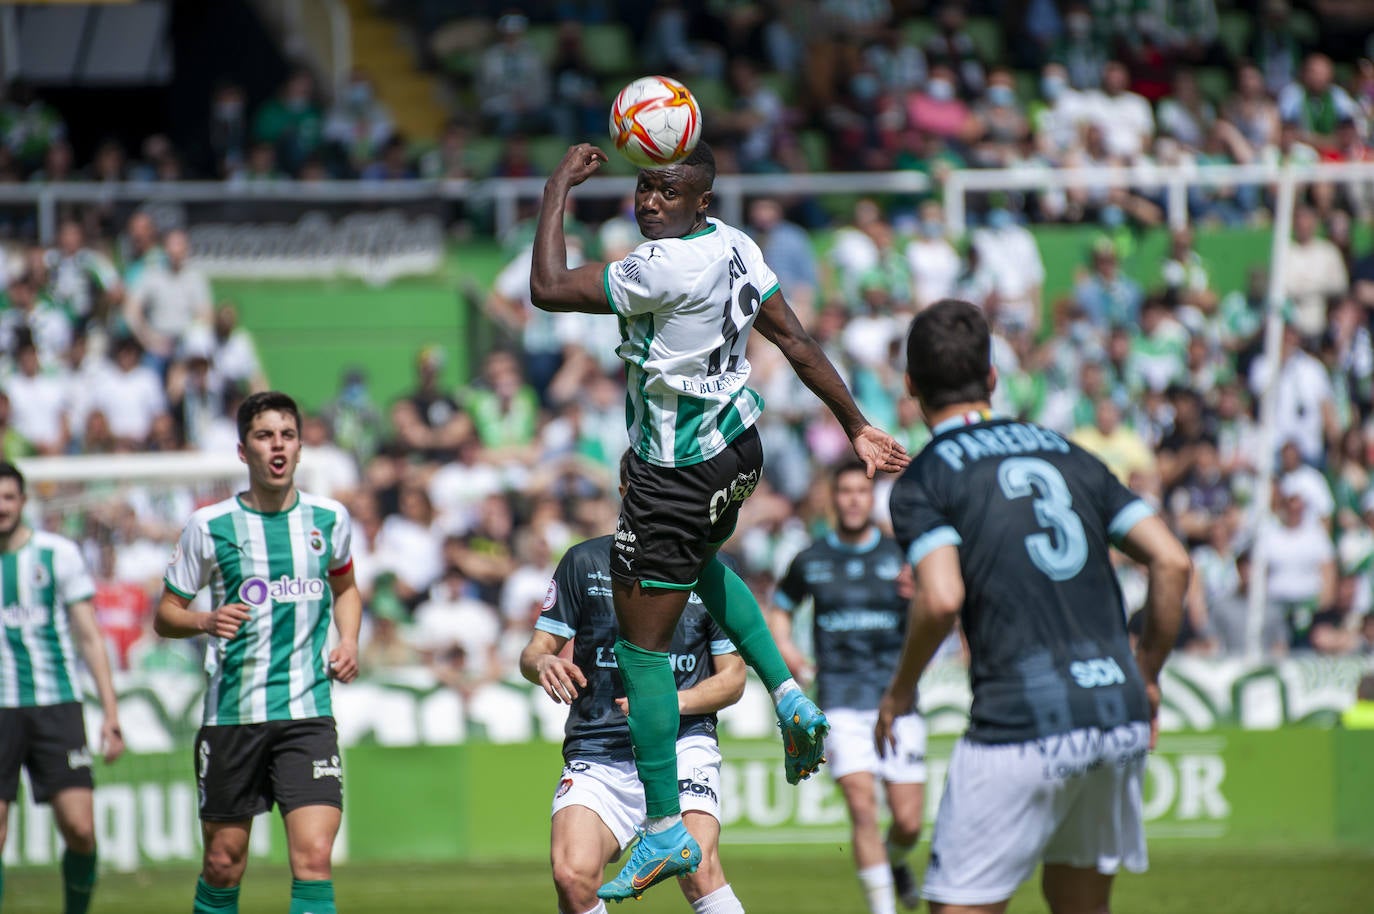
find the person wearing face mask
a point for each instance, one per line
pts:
(358, 124)
(938, 110)
(1126, 120)
(291, 122)
(1002, 121)
(1081, 50)
(1057, 115)
(1014, 261)
(228, 130)
(933, 260)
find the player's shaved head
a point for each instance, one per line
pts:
(702, 161)
(948, 355)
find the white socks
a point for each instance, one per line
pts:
(599, 909)
(787, 685)
(721, 901)
(877, 886)
(661, 824)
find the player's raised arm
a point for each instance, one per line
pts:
(554, 287)
(779, 325)
(1167, 568)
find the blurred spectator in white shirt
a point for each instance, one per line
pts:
(1301, 561)
(1316, 103)
(1313, 271)
(168, 300)
(326, 468)
(30, 315)
(1185, 114)
(1057, 119)
(1125, 118)
(1306, 411)
(1009, 252)
(409, 545)
(37, 402)
(358, 123)
(934, 262)
(513, 80)
(129, 396)
(1308, 481)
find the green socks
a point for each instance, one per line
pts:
(652, 692)
(78, 881)
(210, 900)
(731, 603)
(312, 896)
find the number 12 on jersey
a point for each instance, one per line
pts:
(1062, 555)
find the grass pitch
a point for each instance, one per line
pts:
(1182, 880)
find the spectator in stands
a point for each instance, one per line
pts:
(1116, 444)
(1187, 280)
(228, 129)
(1251, 109)
(758, 119)
(671, 46)
(579, 111)
(1009, 253)
(1186, 115)
(1188, 31)
(937, 109)
(952, 47)
(1058, 116)
(59, 165)
(504, 408)
(513, 82)
(233, 353)
(358, 123)
(485, 551)
(1350, 479)
(1302, 564)
(1274, 47)
(451, 617)
(1082, 50)
(409, 544)
(1106, 296)
(1314, 271)
(130, 396)
(194, 399)
(1002, 123)
(451, 158)
(291, 121)
(141, 248)
(788, 250)
(1305, 411)
(167, 301)
(83, 282)
(29, 315)
(392, 162)
(1125, 118)
(1159, 347)
(261, 166)
(388, 645)
(29, 125)
(1309, 482)
(327, 468)
(931, 258)
(1317, 103)
(13, 447)
(444, 425)
(37, 402)
(899, 64)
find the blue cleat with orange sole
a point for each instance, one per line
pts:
(655, 858)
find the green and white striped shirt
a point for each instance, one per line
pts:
(279, 565)
(38, 582)
(686, 306)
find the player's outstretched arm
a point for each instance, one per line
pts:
(934, 609)
(175, 618)
(91, 645)
(779, 325)
(1167, 568)
(559, 677)
(554, 287)
(348, 619)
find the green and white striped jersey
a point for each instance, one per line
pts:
(275, 667)
(686, 306)
(38, 582)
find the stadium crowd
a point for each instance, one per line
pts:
(112, 341)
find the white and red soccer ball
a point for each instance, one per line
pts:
(655, 122)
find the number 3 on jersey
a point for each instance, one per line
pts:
(1062, 555)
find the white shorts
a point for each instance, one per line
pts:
(1071, 799)
(849, 747)
(612, 789)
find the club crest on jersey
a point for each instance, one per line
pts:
(41, 577)
(176, 555)
(316, 540)
(550, 596)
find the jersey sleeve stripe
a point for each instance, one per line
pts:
(772, 290)
(606, 285)
(554, 627)
(177, 590)
(929, 542)
(342, 569)
(89, 595)
(1127, 518)
(783, 602)
(723, 646)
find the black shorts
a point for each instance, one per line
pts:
(242, 769)
(674, 518)
(50, 741)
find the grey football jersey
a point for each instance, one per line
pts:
(579, 607)
(858, 618)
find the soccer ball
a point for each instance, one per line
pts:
(655, 122)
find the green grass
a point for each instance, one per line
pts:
(1183, 880)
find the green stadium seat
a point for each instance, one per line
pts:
(1234, 27)
(1027, 86)
(987, 38)
(1215, 83)
(544, 38)
(608, 49)
(483, 154)
(1304, 27)
(781, 83)
(711, 94)
(918, 30)
(815, 149)
(547, 151)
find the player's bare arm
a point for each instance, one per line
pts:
(541, 664)
(780, 624)
(721, 689)
(91, 645)
(1167, 568)
(175, 618)
(348, 619)
(779, 325)
(554, 287)
(934, 610)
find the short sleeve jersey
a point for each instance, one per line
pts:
(579, 607)
(686, 306)
(39, 581)
(279, 565)
(1033, 517)
(858, 618)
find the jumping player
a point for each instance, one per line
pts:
(278, 565)
(1009, 527)
(687, 299)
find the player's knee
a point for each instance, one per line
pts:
(311, 855)
(80, 838)
(906, 825)
(575, 884)
(223, 867)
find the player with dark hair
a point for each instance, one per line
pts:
(278, 564)
(858, 588)
(47, 617)
(599, 802)
(687, 299)
(1009, 528)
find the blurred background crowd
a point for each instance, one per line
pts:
(113, 340)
